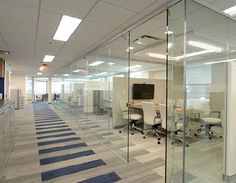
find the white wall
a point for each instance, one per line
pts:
(7, 82)
(231, 118)
(18, 82)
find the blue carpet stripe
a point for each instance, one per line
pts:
(58, 141)
(44, 119)
(57, 135)
(61, 148)
(49, 121)
(56, 159)
(71, 169)
(50, 124)
(54, 131)
(106, 178)
(51, 127)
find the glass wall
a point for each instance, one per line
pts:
(200, 90)
(185, 55)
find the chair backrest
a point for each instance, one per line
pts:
(162, 108)
(149, 113)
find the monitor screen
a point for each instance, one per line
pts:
(143, 91)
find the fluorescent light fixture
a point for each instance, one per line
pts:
(39, 73)
(129, 48)
(110, 63)
(48, 58)
(66, 27)
(66, 74)
(102, 73)
(193, 54)
(134, 67)
(161, 56)
(77, 70)
(230, 11)
(96, 63)
(169, 32)
(204, 46)
(221, 61)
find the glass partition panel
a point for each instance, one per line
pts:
(148, 90)
(107, 95)
(175, 93)
(206, 47)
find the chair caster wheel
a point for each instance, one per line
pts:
(144, 137)
(158, 142)
(187, 145)
(195, 134)
(210, 138)
(132, 133)
(119, 131)
(221, 137)
(142, 133)
(159, 139)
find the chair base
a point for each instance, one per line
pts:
(132, 128)
(154, 132)
(207, 129)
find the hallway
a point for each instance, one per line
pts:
(50, 147)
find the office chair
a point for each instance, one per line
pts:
(151, 119)
(216, 105)
(209, 122)
(176, 124)
(131, 116)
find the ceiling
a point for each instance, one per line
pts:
(203, 25)
(27, 28)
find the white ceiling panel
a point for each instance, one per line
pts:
(30, 3)
(109, 14)
(18, 40)
(224, 4)
(94, 29)
(49, 19)
(17, 28)
(17, 13)
(131, 4)
(74, 8)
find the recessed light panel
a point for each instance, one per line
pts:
(48, 58)
(231, 11)
(66, 27)
(96, 63)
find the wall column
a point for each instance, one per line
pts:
(32, 92)
(49, 90)
(231, 125)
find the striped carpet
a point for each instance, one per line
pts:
(54, 132)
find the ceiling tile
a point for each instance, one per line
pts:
(224, 4)
(30, 3)
(74, 8)
(16, 13)
(94, 29)
(109, 14)
(132, 4)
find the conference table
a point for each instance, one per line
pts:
(179, 110)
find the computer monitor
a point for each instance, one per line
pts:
(143, 91)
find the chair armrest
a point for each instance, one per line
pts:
(215, 112)
(183, 118)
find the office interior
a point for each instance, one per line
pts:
(180, 62)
